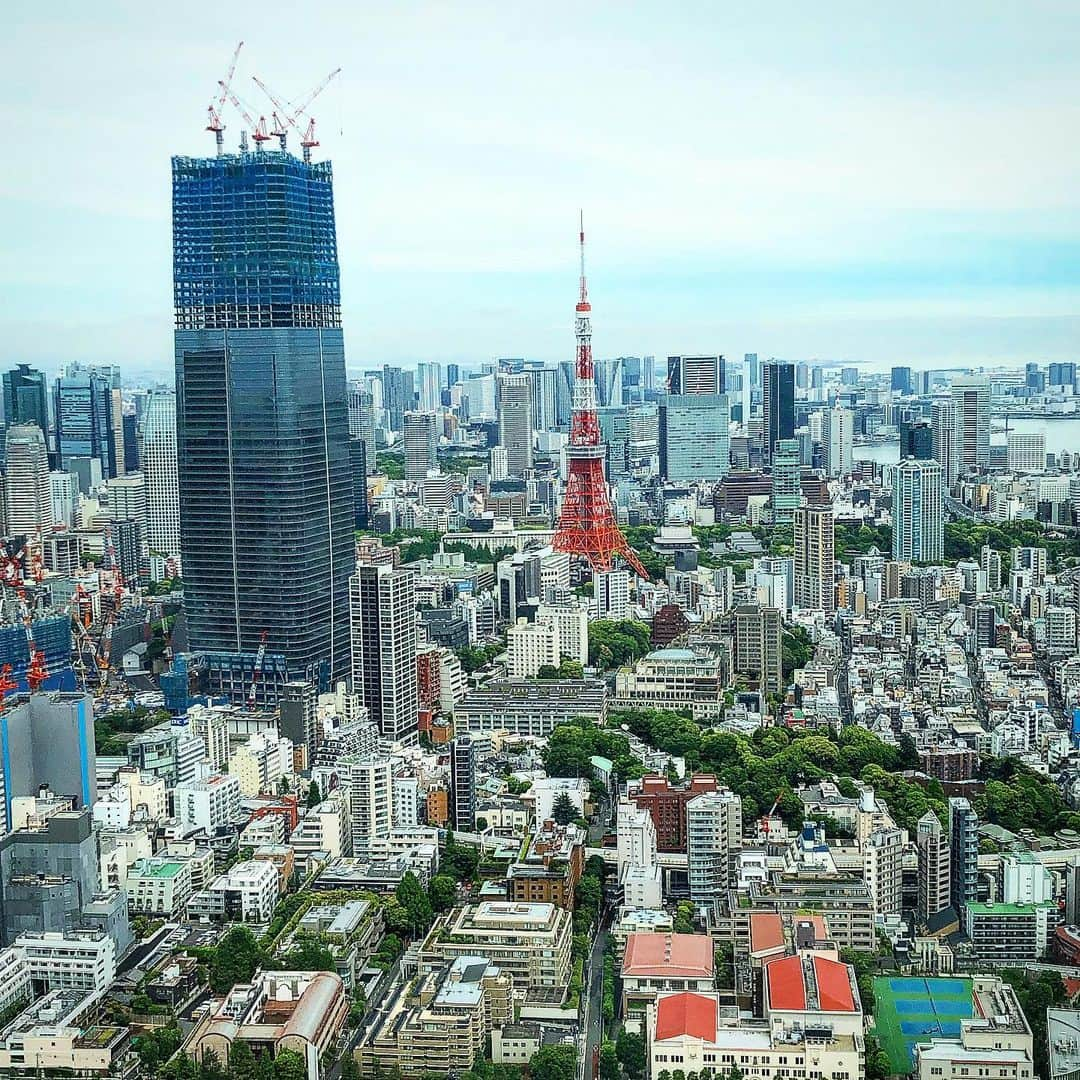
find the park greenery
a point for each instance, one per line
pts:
(114, 730)
(797, 650)
(567, 669)
(965, 540)
(613, 643)
(475, 657)
(419, 544)
(852, 540)
(243, 1064)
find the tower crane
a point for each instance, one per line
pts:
(260, 658)
(258, 130)
(284, 119)
(214, 121)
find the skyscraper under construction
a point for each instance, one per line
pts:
(262, 425)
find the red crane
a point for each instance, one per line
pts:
(37, 672)
(7, 684)
(283, 118)
(258, 130)
(587, 527)
(214, 121)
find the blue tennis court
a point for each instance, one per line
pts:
(917, 1006)
(911, 1010)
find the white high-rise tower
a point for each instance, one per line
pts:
(162, 485)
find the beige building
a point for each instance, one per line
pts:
(159, 886)
(444, 1026)
(529, 942)
(673, 679)
(815, 571)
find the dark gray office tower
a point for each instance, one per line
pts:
(262, 425)
(358, 475)
(298, 717)
(778, 404)
(25, 397)
(916, 440)
(86, 421)
(399, 396)
(964, 842)
(466, 750)
(901, 380)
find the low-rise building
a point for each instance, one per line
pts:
(444, 1025)
(530, 942)
(245, 893)
(527, 707)
(996, 1043)
(82, 960)
(1009, 933)
(551, 867)
(660, 963)
(674, 679)
(302, 1011)
(159, 886)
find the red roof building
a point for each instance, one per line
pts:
(686, 1014)
(656, 962)
(809, 983)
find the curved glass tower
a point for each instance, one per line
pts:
(262, 430)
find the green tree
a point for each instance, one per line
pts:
(613, 643)
(442, 892)
(411, 896)
(609, 1061)
(309, 954)
(349, 1068)
(289, 1065)
(630, 1048)
(314, 795)
(553, 1063)
(235, 959)
(241, 1061)
(564, 811)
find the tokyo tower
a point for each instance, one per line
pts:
(587, 525)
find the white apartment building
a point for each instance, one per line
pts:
(369, 779)
(27, 488)
(15, 985)
(713, 841)
(245, 893)
(406, 802)
(261, 762)
(149, 795)
(883, 859)
(531, 646)
(325, 827)
(211, 724)
(159, 886)
(639, 871)
(571, 624)
(611, 594)
(1026, 453)
(112, 810)
(76, 960)
(207, 804)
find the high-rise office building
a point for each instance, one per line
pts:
(162, 482)
(934, 868)
(83, 406)
(964, 848)
(25, 397)
(466, 750)
(608, 377)
(131, 442)
(47, 740)
(1063, 375)
(1026, 453)
(901, 380)
(362, 420)
(694, 441)
(778, 405)
(545, 398)
(696, 375)
(971, 398)
(453, 375)
(514, 404)
(943, 428)
(27, 488)
(421, 439)
(837, 438)
(382, 605)
(802, 375)
(916, 440)
(713, 842)
(398, 395)
(786, 480)
(358, 476)
(429, 386)
(758, 651)
(917, 512)
(262, 420)
(752, 368)
(815, 569)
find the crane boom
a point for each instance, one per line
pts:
(258, 130)
(214, 121)
(283, 117)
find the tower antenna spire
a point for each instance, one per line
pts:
(587, 527)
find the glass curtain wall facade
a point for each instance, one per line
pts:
(262, 420)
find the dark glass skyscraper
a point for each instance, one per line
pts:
(778, 405)
(916, 440)
(24, 397)
(262, 424)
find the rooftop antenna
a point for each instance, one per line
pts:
(214, 121)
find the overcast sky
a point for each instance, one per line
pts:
(852, 181)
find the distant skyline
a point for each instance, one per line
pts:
(841, 181)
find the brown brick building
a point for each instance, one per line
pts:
(667, 805)
(551, 868)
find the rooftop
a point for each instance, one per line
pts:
(766, 931)
(1063, 1035)
(668, 955)
(158, 869)
(686, 1014)
(809, 983)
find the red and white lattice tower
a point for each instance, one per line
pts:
(587, 526)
